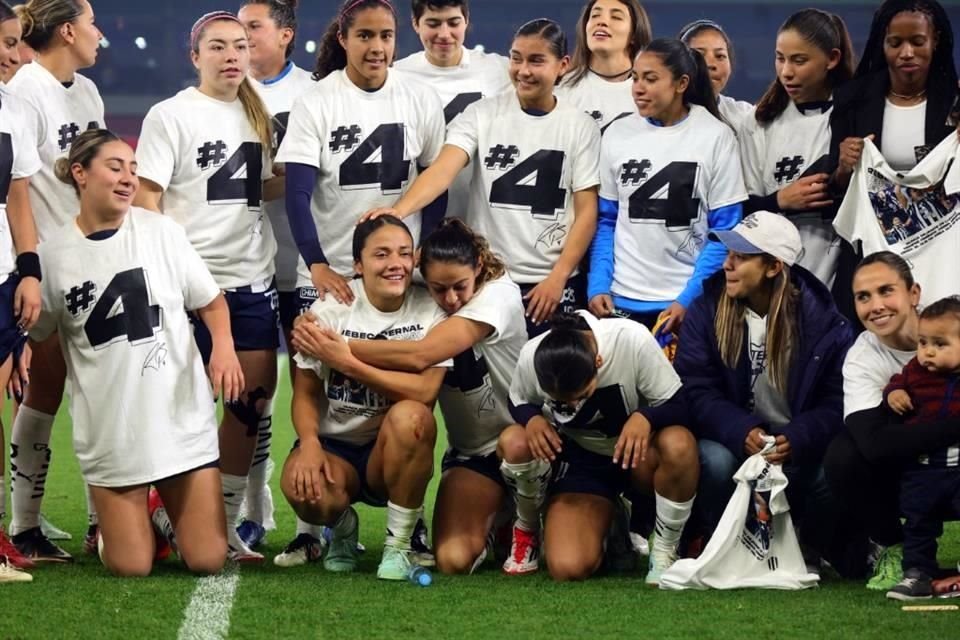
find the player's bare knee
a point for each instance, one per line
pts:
(458, 557)
(208, 560)
(569, 567)
(677, 447)
(130, 566)
(512, 445)
(411, 425)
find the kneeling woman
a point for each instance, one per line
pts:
(366, 434)
(118, 281)
(608, 389)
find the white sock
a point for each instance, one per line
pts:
(314, 530)
(528, 483)
(671, 518)
(346, 524)
(400, 524)
(254, 499)
(29, 461)
(233, 488)
(92, 518)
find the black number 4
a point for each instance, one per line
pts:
(224, 187)
(680, 208)
(134, 319)
(392, 170)
(545, 197)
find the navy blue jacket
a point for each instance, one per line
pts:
(718, 396)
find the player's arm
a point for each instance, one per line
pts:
(26, 304)
(307, 412)
(148, 195)
(448, 339)
(274, 188)
(224, 368)
(430, 184)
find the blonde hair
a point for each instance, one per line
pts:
(729, 325)
(83, 150)
(40, 19)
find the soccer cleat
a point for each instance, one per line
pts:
(947, 587)
(162, 527)
(10, 573)
(660, 561)
(395, 563)
(916, 585)
(342, 551)
(640, 544)
(327, 533)
(37, 547)
(887, 569)
(524, 555)
(51, 531)
(420, 545)
(90, 540)
(242, 554)
(252, 533)
(301, 550)
(620, 555)
(13, 556)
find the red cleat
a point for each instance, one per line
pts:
(14, 557)
(161, 525)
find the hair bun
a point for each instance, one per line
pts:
(61, 169)
(27, 23)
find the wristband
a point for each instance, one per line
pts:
(28, 265)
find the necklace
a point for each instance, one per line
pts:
(915, 96)
(611, 75)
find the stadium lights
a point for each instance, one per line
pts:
(104, 43)
(311, 46)
(140, 42)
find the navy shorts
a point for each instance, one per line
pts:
(488, 466)
(12, 338)
(289, 309)
(577, 470)
(253, 321)
(358, 457)
(574, 297)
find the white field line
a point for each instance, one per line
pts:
(207, 616)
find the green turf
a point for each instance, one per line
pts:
(82, 601)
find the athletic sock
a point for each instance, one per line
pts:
(400, 524)
(346, 524)
(528, 483)
(29, 462)
(255, 498)
(671, 518)
(233, 488)
(314, 530)
(92, 518)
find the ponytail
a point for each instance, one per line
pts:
(454, 241)
(331, 55)
(681, 60)
(257, 114)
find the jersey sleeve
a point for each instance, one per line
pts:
(490, 307)
(303, 142)
(526, 400)
(26, 158)
(725, 185)
(751, 138)
(46, 324)
(327, 315)
(433, 126)
(657, 381)
(198, 286)
(586, 163)
(156, 150)
(464, 131)
(863, 381)
(608, 169)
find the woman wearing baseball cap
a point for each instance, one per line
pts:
(761, 354)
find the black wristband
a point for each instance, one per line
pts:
(28, 265)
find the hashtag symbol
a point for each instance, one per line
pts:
(68, 133)
(633, 172)
(80, 298)
(345, 138)
(788, 169)
(211, 153)
(501, 157)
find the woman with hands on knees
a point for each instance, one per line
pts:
(142, 406)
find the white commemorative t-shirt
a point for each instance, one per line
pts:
(278, 95)
(60, 115)
(142, 405)
(479, 75)
(915, 215)
(367, 146)
(475, 392)
(666, 180)
(18, 159)
(354, 412)
(733, 111)
(602, 100)
(211, 166)
(526, 169)
(634, 374)
(793, 146)
(867, 370)
(903, 135)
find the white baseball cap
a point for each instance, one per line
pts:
(763, 232)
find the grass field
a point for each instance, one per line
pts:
(83, 601)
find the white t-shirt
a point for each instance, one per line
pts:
(914, 215)
(479, 75)
(733, 111)
(278, 96)
(667, 180)
(18, 159)
(867, 370)
(602, 100)
(475, 393)
(354, 412)
(796, 144)
(367, 146)
(211, 166)
(635, 373)
(526, 169)
(61, 114)
(903, 135)
(767, 402)
(142, 405)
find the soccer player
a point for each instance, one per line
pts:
(534, 163)
(460, 76)
(272, 30)
(118, 281)
(596, 400)
(713, 43)
(205, 153)
(785, 141)
(20, 286)
(483, 334)
(365, 434)
(669, 175)
(353, 142)
(66, 39)
(610, 34)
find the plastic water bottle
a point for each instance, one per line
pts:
(419, 576)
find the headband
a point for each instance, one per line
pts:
(353, 5)
(206, 19)
(697, 25)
